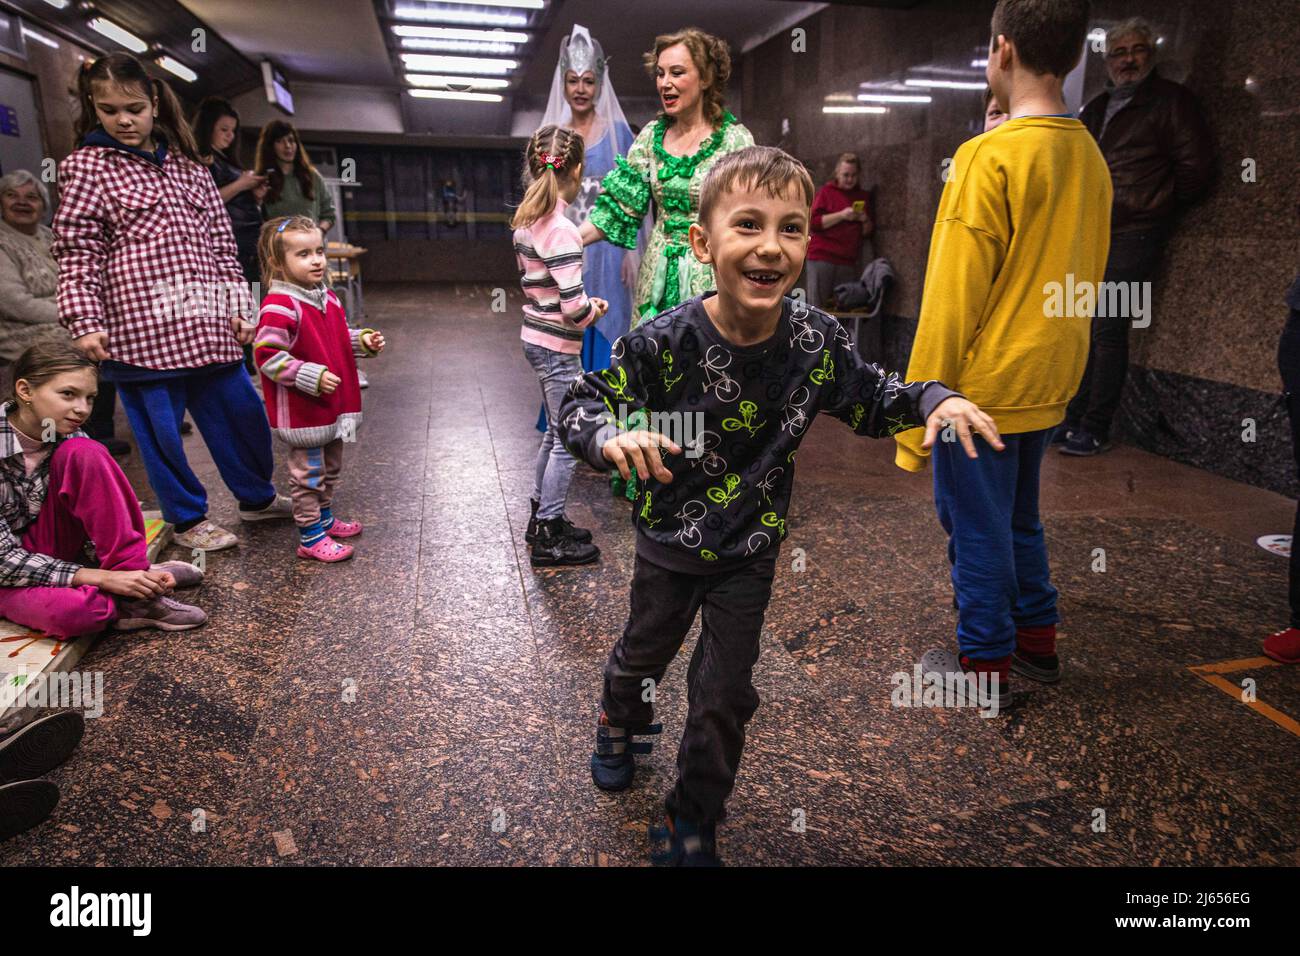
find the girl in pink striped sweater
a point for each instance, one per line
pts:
(307, 356)
(556, 312)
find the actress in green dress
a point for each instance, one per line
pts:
(669, 161)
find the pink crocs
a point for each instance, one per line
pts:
(344, 529)
(326, 549)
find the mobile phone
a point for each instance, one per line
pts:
(860, 206)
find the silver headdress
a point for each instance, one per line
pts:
(581, 52)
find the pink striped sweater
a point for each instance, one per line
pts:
(550, 261)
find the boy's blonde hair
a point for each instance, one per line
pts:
(270, 244)
(553, 151)
(753, 168)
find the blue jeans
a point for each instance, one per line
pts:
(231, 419)
(989, 507)
(556, 372)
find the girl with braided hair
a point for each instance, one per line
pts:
(557, 311)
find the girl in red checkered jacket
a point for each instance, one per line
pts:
(150, 287)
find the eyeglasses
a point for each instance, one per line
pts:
(1120, 53)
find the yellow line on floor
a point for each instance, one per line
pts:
(1288, 724)
(1227, 667)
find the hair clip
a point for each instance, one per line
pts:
(282, 225)
(552, 161)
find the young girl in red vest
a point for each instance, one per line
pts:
(307, 355)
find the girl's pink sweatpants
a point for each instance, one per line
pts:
(88, 498)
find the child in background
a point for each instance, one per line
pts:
(756, 367)
(1028, 206)
(308, 355)
(557, 311)
(994, 114)
(150, 287)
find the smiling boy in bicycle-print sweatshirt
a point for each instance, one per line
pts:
(754, 367)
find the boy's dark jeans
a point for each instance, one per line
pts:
(721, 697)
(1134, 257)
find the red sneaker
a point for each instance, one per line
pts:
(1284, 646)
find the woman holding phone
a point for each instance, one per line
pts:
(841, 220)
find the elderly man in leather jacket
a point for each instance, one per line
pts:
(1161, 158)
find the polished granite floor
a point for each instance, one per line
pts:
(431, 701)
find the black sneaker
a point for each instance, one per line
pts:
(553, 546)
(25, 804)
(574, 532)
(40, 746)
(612, 762)
(683, 843)
(952, 670)
(1044, 668)
(1062, 434)
(1082, 444)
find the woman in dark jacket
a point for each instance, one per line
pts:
(216, 131)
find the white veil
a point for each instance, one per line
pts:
(580, 52)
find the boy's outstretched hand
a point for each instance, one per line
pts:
(965, 417)
(632, 450)
(374, 341)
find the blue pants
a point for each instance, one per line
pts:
(232, 421)
(989, 507)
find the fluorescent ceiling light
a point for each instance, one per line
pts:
(474, 82)
(519, 4)
(458, 46)
(893, 97)
(457, 64)
(456, 95)
(118, 35)
(476, 17)
(59, 4)
(459, 33)
(178, 68)
(979, 64)
(40, 38)
(855, 109)
(946, 84)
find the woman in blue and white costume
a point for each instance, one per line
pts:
(583, 99)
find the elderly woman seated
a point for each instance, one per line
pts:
(29, 278)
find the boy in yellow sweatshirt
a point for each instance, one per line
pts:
(1019, 245)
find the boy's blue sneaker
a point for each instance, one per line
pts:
(612, 763)
(1082, 444)
(683, 843)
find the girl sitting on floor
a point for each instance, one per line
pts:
(61, 490)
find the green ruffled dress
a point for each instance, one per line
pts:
(670, 273)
